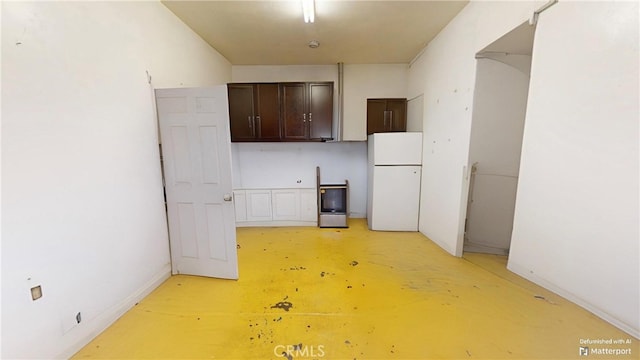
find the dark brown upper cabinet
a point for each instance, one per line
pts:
(254, 114)
(292, 111)
(307, 110)
(320, 110)
(386, 115)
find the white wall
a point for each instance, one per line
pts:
(415, 113)
(445, 74)
(576, 217)
(280, 165)
(281, 73)
(83, 212)
(367, 81)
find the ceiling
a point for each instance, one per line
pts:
(352, 32)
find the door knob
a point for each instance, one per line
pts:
(227, 197)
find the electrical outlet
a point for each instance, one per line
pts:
(71, 317)
(36, 292)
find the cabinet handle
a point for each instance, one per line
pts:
(304, 118)
(384, 119)
(250, 121)
(309, 117)
(254, 124)
(390, 119)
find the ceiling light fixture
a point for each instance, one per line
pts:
(308, 10)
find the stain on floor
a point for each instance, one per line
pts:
(284, 305)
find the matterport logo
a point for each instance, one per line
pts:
(614, 347)
(291, 352)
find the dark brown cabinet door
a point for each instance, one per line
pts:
(376, 116)
(241, 112)
(267, 119)
(386, 115)
(320, 110)
(294, 114)
(397, 114)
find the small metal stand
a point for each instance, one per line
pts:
(333, 204)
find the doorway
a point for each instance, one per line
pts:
(500, 99)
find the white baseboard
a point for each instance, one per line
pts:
(443, 246)
(576, 300)
(485, 249)
(101, 322)
(275, 223)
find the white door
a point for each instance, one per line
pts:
(197, 165)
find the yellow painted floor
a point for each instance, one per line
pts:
(309, 293)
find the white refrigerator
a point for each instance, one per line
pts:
(394, 171)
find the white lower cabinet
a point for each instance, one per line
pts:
(240, 204)
(258, 205)
(286, 204)
(276, 207)
(309, 205)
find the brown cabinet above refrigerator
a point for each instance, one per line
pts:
(386, 115)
